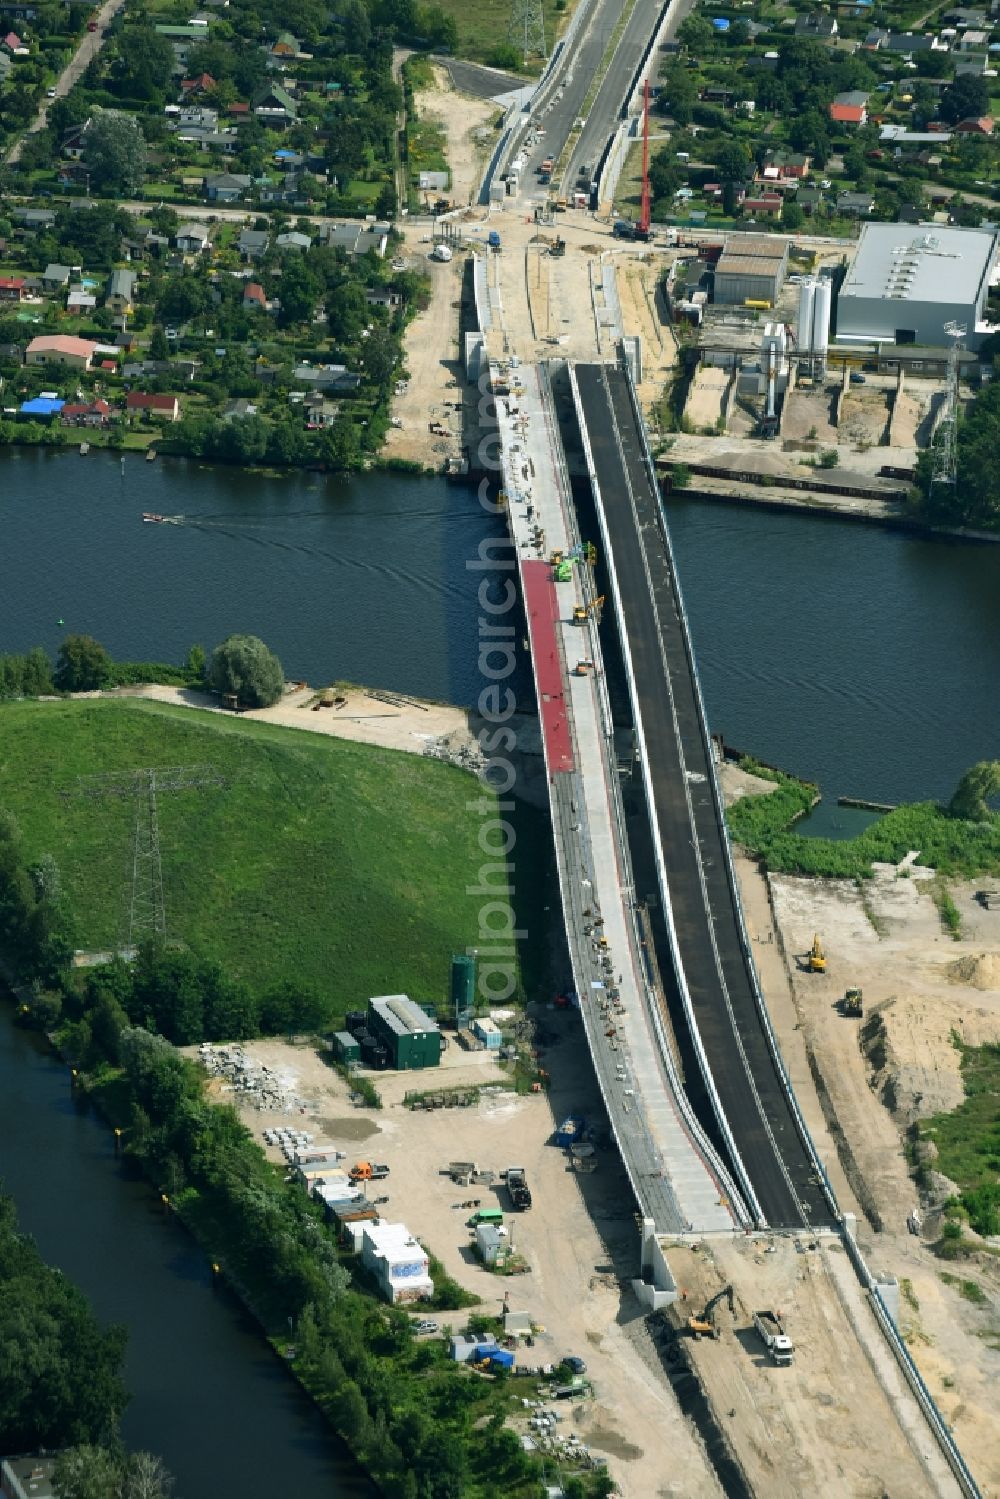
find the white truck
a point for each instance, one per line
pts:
(775, 1339)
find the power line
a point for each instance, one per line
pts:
(526, 28)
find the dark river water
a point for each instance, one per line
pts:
(865, 660)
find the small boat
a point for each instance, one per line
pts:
(152, 518)
(150, 455)
(84, 449)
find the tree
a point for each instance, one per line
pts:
(733, 162)
(243, 666)
(37, 680)
(971, 798)
(696, 34)
(158, 346)
(792, 217)
(145, 1477)
(115, 152)
(142, 67)
(966, 99)
(299, 292)
(83, 665)
(86, 1473)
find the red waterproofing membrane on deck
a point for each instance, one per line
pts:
(541, 606)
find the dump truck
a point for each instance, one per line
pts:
(773, 1336)
(853, 1002)
(517, 1186)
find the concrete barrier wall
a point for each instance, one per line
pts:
(614, 159)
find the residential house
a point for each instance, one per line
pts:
(790, 164)
(191, 238)
(764, 205)
(973, 41)
(289, 160)
(14, 45)
(320, 411)
(713, 94)
(273, 105)
(55, 277)
(982, 126)
(224, 141)
(60, 348)
(809, 198)
(252, 243)
(973, 64)
(155, 244)
(293, 240)
(239, 111)
(74, 141)
(198, 114)
(120, 294)
(34, 219)
(11, 288)
(326, 377)
(387, 296)
(238, 410)
(85, 414)
(898, 136)
(850, 108)
(152, 407)
(193, 88)
(906, 43)
(254, 297)
(80, 301)
(355, 238)
(226, 187)
(818, 26)
(855, 205)
(42, 406)
(286, 46)
(962, 18)
(125, 343)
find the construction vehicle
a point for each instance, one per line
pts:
(773, 1335)
(367, 1171)
(581, 612)
(703, 1325)
(559, 248)
(852, 1003)
(564, 572)
(517, 1186)
(816, 957)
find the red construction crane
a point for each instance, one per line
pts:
(645, 207)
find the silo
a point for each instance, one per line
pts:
(822, 303)
(804, 331)
(463, 988)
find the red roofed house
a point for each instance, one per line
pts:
(60, 348)
(160, 408)
(848, 114)
(982, 126)
(86, 413)
(192, 87)
(769, 204)
(12, 42)
(239, 109)
(254, 296)
(11, 288)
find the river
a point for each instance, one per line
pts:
(858, 657)
(207, 1393)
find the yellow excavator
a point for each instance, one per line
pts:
(582, 611)
(703, 1325)
(816, 957)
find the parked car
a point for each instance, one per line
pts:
(857, 378)
(575, 1365)
(427, 1326)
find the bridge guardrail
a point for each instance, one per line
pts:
(746, 1197)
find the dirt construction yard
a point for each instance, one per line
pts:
(579, 1238)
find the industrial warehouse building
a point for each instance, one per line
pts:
(908, 282)
(398, 1263)
(411, 1038)
(751, 268)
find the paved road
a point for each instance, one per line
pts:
(709, 928)
(89, 47)
(482, 83)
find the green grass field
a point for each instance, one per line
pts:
(339, 863)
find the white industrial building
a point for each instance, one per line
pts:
(909, 281)
(398, 1263)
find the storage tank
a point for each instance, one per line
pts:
(822, 303)
(804, 330)
(463, 987)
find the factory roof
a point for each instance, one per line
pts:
(402, 1015)
(733, 264)
(916, 264)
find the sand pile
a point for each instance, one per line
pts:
(981, 970)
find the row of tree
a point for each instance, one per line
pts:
(181, 997)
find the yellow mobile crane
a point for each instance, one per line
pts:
(581, 612)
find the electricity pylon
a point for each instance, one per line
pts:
(146, 913)
(526, 28)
